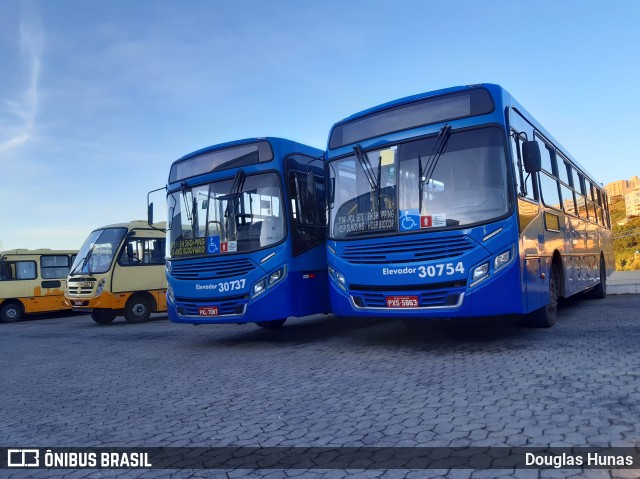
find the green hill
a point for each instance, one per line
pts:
(628, 235)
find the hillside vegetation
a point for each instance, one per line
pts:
(628, 237)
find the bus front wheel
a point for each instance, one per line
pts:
(10, 313)
(137, 309)
(103, 316)
(546, 316)
(273, 324)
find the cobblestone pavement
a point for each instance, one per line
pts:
(325, 381)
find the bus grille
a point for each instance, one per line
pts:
(408, 251)
(212, 269)
(81, 286)
(229, 305)
(437, 295)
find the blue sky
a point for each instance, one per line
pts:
(98, 98)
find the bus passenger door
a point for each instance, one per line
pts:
(530, 218)
(140, 267)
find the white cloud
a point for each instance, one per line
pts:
(23, 110)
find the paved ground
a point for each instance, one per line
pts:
(324, 381)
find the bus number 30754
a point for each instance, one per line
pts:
(441, 269)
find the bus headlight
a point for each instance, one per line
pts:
(338, 277)
(100, 287)
(502, 259)
(259, 287)
(168, 266)
(171, 297)
(268, 281)
(276, 276)
(479, 273)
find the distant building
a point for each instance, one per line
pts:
(622, 187)
(632, 202)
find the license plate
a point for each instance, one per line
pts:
(78, 303)
(208, 311)
(402, 302)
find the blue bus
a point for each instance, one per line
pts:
(458, 203)
(246, 234)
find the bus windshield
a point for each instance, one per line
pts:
(238, 214)
(413, 186)
(98, 251)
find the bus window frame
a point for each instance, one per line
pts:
(15, 262)
(43, 268)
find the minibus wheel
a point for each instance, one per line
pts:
(546, 316)
(10, 312)
(103, 316)
(273, 324)
(137, 309)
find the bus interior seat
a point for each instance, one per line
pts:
(271, 231)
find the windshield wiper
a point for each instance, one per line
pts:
(184, 188)
(192, 212)
(84, 263)
(236, 187)
(438, 149)
(365, 164)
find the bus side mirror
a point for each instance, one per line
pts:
(531, 156)
(150, 214)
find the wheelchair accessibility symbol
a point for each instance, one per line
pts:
(213, 244)
(409, 220)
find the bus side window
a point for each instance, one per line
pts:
(548, 181)
(26, 270)
(6, 272)
(54, 267)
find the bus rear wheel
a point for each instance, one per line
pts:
(273, 324)
(546, 316)
(10, 313)
(103, 316)
(137, 310)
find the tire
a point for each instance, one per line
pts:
(10, 313)
(137, 310)
(600, 291)
(273, 324)
(546, 316)
(103, 316)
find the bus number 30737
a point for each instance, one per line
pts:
(231, 285)
(441, 269)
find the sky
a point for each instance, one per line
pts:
(97, 99)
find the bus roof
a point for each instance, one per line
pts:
(496, 91)
(134, 224)
(278, 143)
(36, 252)
(238, 154)
(412, 98)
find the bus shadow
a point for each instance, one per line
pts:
(297, 331)
(439, 334)
(48, 315)
(119, 321)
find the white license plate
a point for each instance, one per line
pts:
(402, 302)
(208, 311)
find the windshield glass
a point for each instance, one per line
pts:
(98, 251)
(465, 184)
(233, 215)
